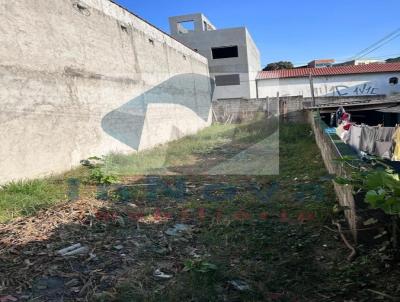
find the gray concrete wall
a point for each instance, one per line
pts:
(200, 23)
(240, 110)
(247, 65)
(330, 155)
(78, 81)
(254, 61)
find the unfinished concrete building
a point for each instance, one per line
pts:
(234, 59)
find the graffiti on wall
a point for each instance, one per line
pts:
(344, 90)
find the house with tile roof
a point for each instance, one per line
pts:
(337, 81)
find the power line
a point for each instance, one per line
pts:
(373, 47)
(380, 46)
(376, 44)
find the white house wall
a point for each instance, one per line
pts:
(343, 85)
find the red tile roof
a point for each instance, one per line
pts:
(329, 71)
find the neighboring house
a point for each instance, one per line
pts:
(360, 62)
(321, 63)
(234, 59)
(357, 80)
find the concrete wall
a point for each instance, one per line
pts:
(254, 61)
(247, 64)
(342, 86)
(240, 110)
(200, 23)
(330, 155)
(89, 79)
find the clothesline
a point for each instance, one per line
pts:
(383, 142)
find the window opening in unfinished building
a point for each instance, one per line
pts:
(186, 26)
(227, 80)
(225, 52)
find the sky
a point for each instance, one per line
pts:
(292, 30)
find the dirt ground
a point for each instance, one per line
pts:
(198, 238)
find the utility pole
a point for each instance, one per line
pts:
(312, 89)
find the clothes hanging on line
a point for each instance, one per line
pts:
(373, 140)
(354, 137)
(367, 140)
(383, 149)
(396, 141)
(385, 134)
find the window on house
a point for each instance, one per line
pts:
(225, 52)
(227, 80)
(394, 81)
(186, 26)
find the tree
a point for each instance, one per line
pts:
(393, 60)
(279, 65)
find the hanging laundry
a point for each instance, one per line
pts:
(345, 136)
(347, 126)
(339, 114)
(368, 138)
(383, 149)
(384, 142)
(385, 134)
(396, 140)
(354, 137)
(339, 130)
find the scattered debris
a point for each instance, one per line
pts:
(76, 249)
(353, 250)
(178, 229)
(370, 221)
(239, 285)
(380, 235)
(384, 295)
(8, 298)
(161, 275)
(124, 252)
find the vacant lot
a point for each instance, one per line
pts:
(181, 223)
